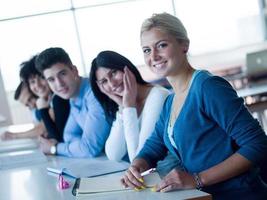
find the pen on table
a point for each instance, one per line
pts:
(148, 171)
(62, 171)
(53, 170)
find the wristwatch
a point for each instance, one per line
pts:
(199, 183)
(53, 149)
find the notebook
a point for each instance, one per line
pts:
(256, 63)
(107, 184)
(89, 168)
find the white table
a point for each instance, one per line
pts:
(257, 107)
(252, 91)
(34, 182)
(148, 195)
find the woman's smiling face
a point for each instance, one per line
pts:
(163, 53)
(110, 81)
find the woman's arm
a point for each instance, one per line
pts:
(115, 146)
(150, 114)
(55, 117)
(131, 130)
(35, 132)
(129, 112)
(136, 133)
(49, 123)
(231, 167)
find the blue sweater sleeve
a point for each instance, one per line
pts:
(221, 103)
(154, 148)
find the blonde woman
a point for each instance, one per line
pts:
(204, 123)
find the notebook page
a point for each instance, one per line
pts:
(152, 179)
(111, 183)
(100, 184)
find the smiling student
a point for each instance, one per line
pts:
(86, 130)
(131, 104)
(24, 95)
(52, 109)
(204, 123)
(128, 101)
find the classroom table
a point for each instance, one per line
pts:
(252, 91)
(34, 182)
(259, 106)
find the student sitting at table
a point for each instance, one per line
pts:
(28, 99)
(204, 124)
(86, 130)
(131, 104)
(53, 110)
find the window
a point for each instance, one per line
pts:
(17, 8)
(216, 25)
(21, 39)
(95, 25)
(116, 27)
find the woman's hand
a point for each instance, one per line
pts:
(117, 99)
(130, 89)
(133, 178)
(42, 103)
(174, 180)
(8, 136)
(46, 144)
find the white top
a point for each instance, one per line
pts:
(170, 127)
(128, 132)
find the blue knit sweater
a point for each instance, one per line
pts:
(212, 125)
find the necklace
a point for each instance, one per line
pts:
(174, 111)
(177, 103)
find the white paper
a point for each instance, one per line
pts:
(111, 183)
(152, 179)
(100, 184)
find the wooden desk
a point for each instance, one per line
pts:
(34, 182)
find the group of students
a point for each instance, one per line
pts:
(202, 125)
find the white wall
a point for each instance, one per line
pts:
(5, 116)
(20, 114)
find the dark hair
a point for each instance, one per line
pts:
(52, 56)
(28, 70)
(111, 60)
(19, 89)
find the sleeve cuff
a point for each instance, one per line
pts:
(60, 149)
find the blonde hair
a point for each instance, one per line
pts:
(168, 24)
